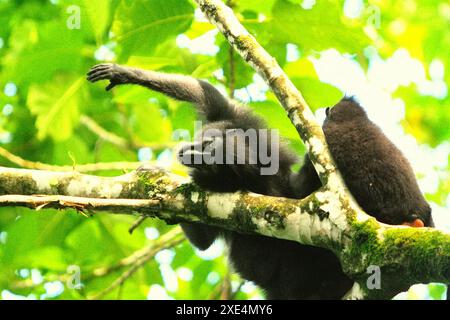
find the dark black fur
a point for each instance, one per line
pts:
(375, 171)
(377, 174)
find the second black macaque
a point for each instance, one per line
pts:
(375, 171)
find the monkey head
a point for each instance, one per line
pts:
(224, 158)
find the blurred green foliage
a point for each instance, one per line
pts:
(44, 56)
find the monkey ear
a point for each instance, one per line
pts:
(417, 223)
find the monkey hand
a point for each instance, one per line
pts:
(109, 71)
(416, 223)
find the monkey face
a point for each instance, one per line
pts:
(217, 156)
(241, 159)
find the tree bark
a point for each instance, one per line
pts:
(404, 255)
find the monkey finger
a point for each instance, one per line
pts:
(98, 68)
(98, 76)
(93, 79)
(93, 71)
(98, 71)
(102, 65)
(110, 86)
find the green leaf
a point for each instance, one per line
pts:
(99, 15)
(183, 116)
(75, 147)
(199, 28)
(140, 25)
(301, 68)
(437, 291)
(427, 117)
(264, 6)
(319, 28)
(46, 258)
(150, 63)
(6, 11)
(88, 241)
(38, 51)
(55, 105)
(149, 123)
(95, 16)
(243, 73)
(275, 117)
(32, 231)
(316, 93)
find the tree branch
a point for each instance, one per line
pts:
(139, 257)
(88, 167)
(94, 127)
(137, 261)
(420, 254)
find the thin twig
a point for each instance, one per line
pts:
(89, 167)
(238, 289)
(232, 75)
(137, 223)
(225, 291)
(104, 271)
(94, 127)
(168, 240)
(232, 82)
(80, 204)
(222, 290)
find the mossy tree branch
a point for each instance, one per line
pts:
(421, 255)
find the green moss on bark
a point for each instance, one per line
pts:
(363, 243)
(9, 185)
(194, 199)
(405, 256)
(151, 184)
(421, 253)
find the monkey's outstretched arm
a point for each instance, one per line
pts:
(208, 99)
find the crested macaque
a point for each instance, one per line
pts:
(375, 171)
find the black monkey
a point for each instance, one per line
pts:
(286, 269)
(376, 172)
